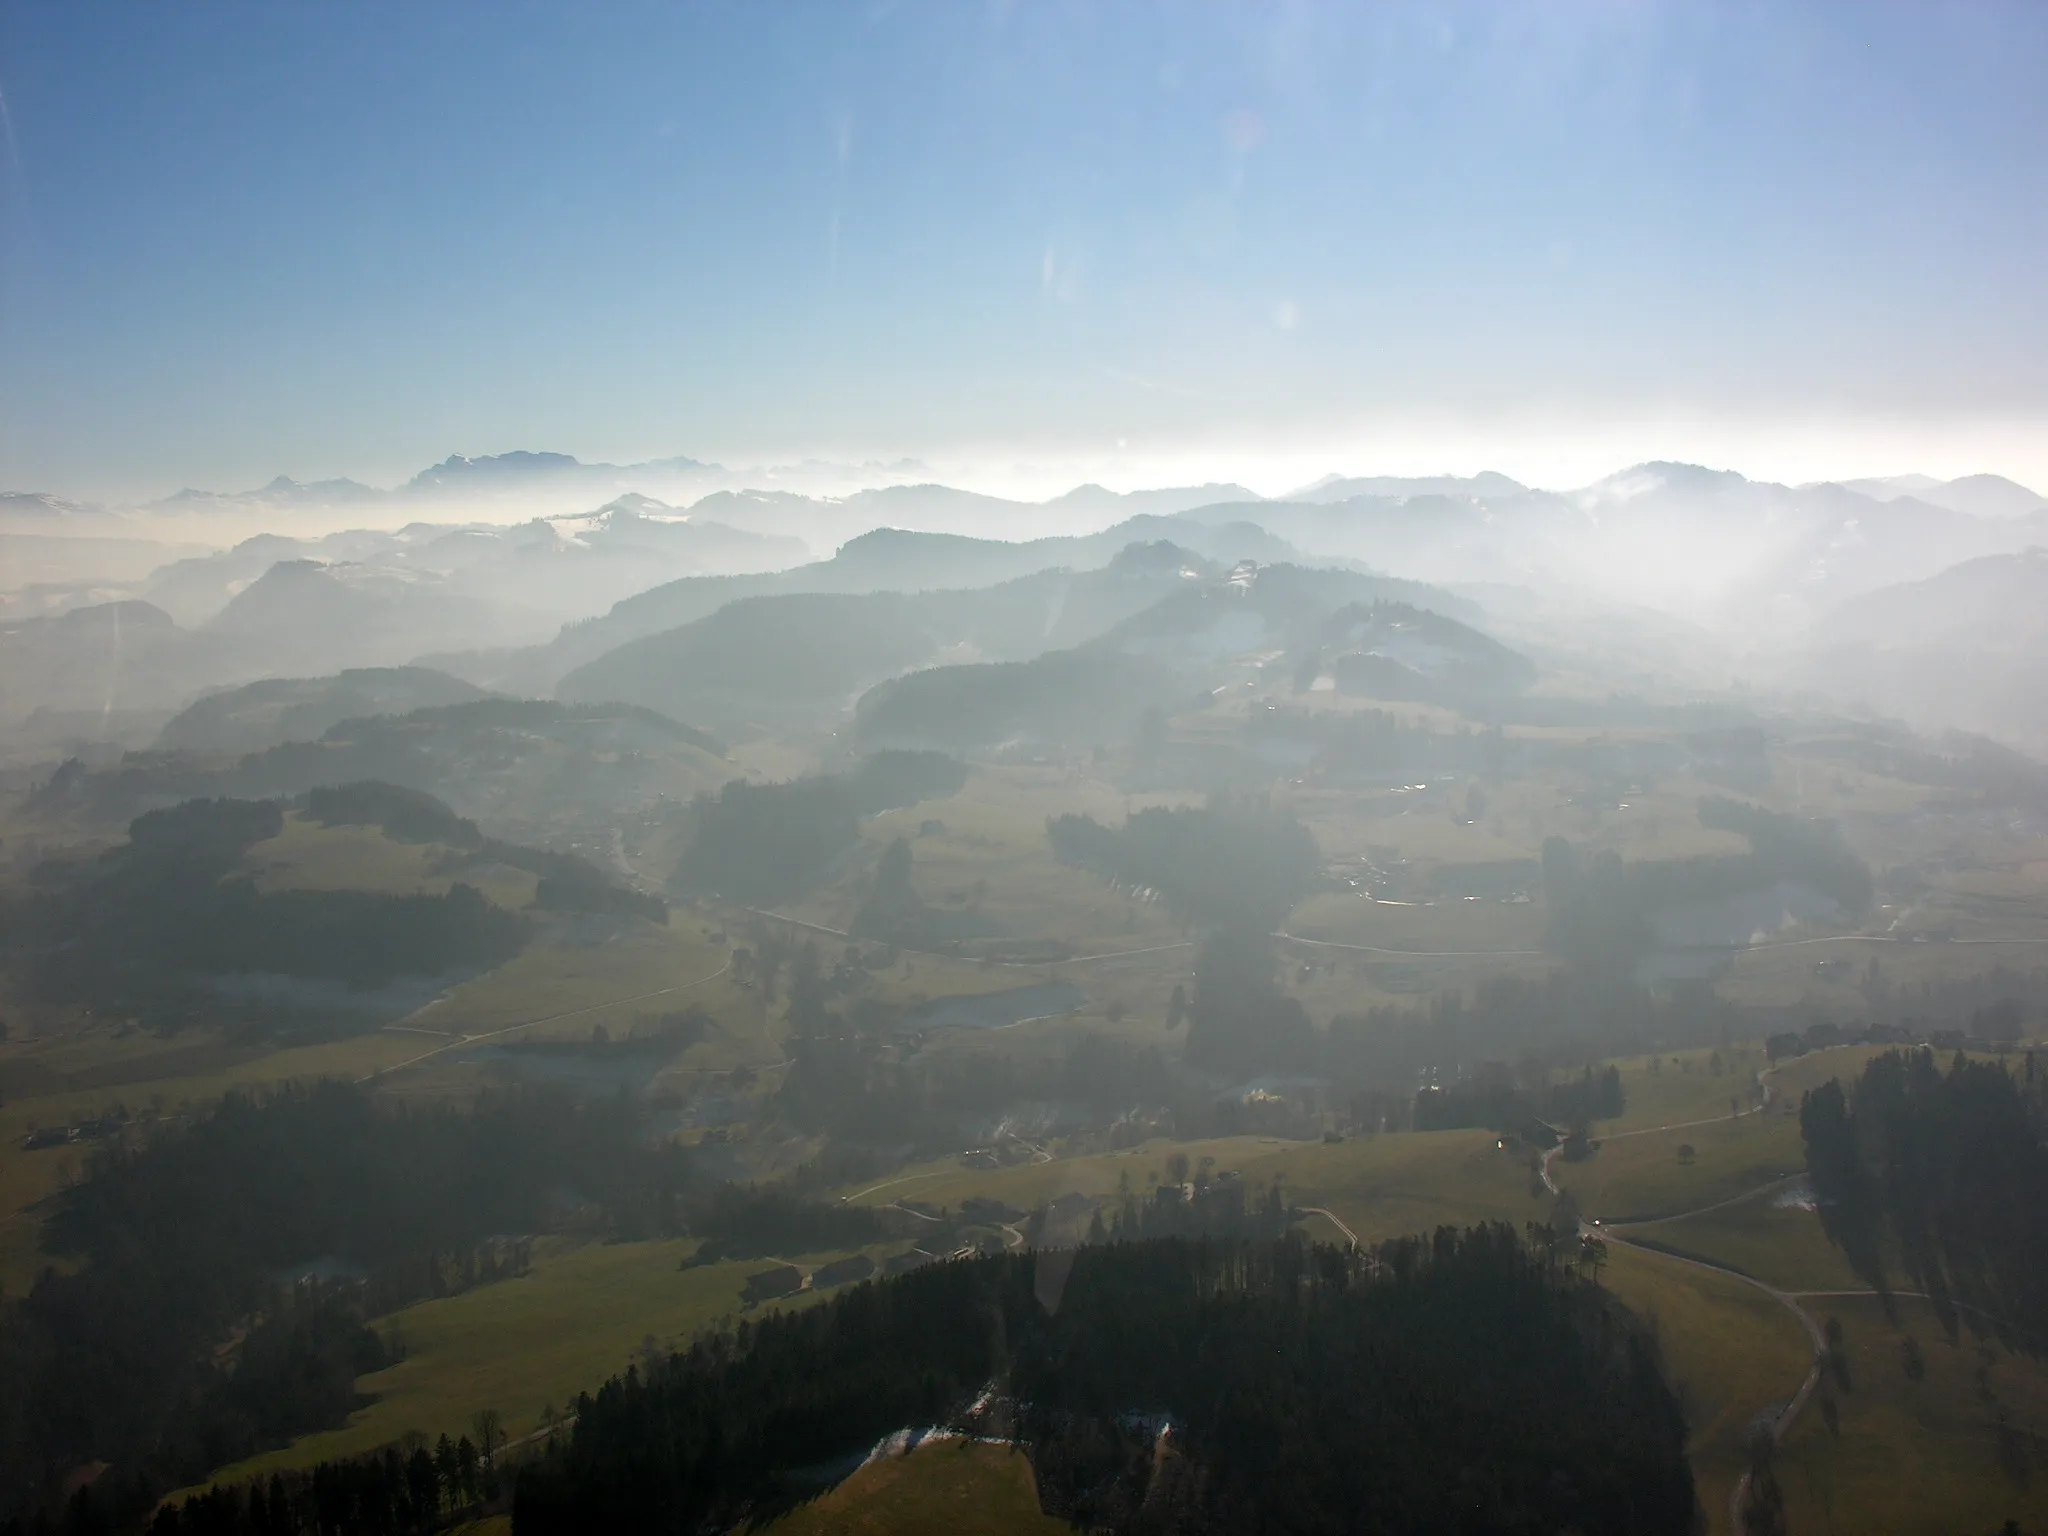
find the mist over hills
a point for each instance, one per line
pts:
(571, 776)
(37, 512)
(558, 568)
(1739, 544)
(1148, 769)
(301, 611)
(1376, 787)
(281, 495)
(1335, 488)
(280, 709)
(470, 580)
(1966, 649)
(838, 500)
(803, 658)
(1990, 603)
(1978, 495)
(1719, 548)
(885, 559)
(1196, 640)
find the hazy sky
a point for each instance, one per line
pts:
(239, 240)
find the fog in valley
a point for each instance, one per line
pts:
(1901, 600)
(1148, 773)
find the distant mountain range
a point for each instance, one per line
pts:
(555, 569)
(523, 483)
(1482, 486)
(596, 561)
(903, 492)
(1978, 495)
(1708, 543)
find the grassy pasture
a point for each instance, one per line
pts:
(1683, 1087)
(939, 1489)
(584, 1312)
(1963, 1449)
(946, 1182)
(580, 1315)
(1433, 825)
(1394, 1185)
(1397, 949)
(1780, 1245)
(562, 976)
(1728, 1349)
(1795, 1076)
(1462, 931)
(82, 1070)
(993, 863)
(1777, 975)
(308, 856)
(1380, 1186)
(130, 1069)
(1638, 1176)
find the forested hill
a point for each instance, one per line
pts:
(1940, 1178)
(132, 931)
(145, 928)
(797, 657)
(1465, 1382)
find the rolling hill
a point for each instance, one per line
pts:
(803, 658)
(1177, 647)
(1965, 650)
(279, 709)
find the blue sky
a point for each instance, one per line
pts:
(318, 239)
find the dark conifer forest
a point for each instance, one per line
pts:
(1227, 864)
(1937, 1182)
(300, 1214)
(129, 932)
(766, 842)
(1462, 1382)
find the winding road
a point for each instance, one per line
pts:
(1334, 1220)
(1782, 1420)
(940, 954)
(1411, 954)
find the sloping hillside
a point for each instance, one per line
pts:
(570, 776)
(1998, 603)
(301, 616)
(1095, 693)
(882, 560)
(803, 658)
(279, 709)
(1394, 651)
(1967, 649)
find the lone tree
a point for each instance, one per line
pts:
(489, 1425)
